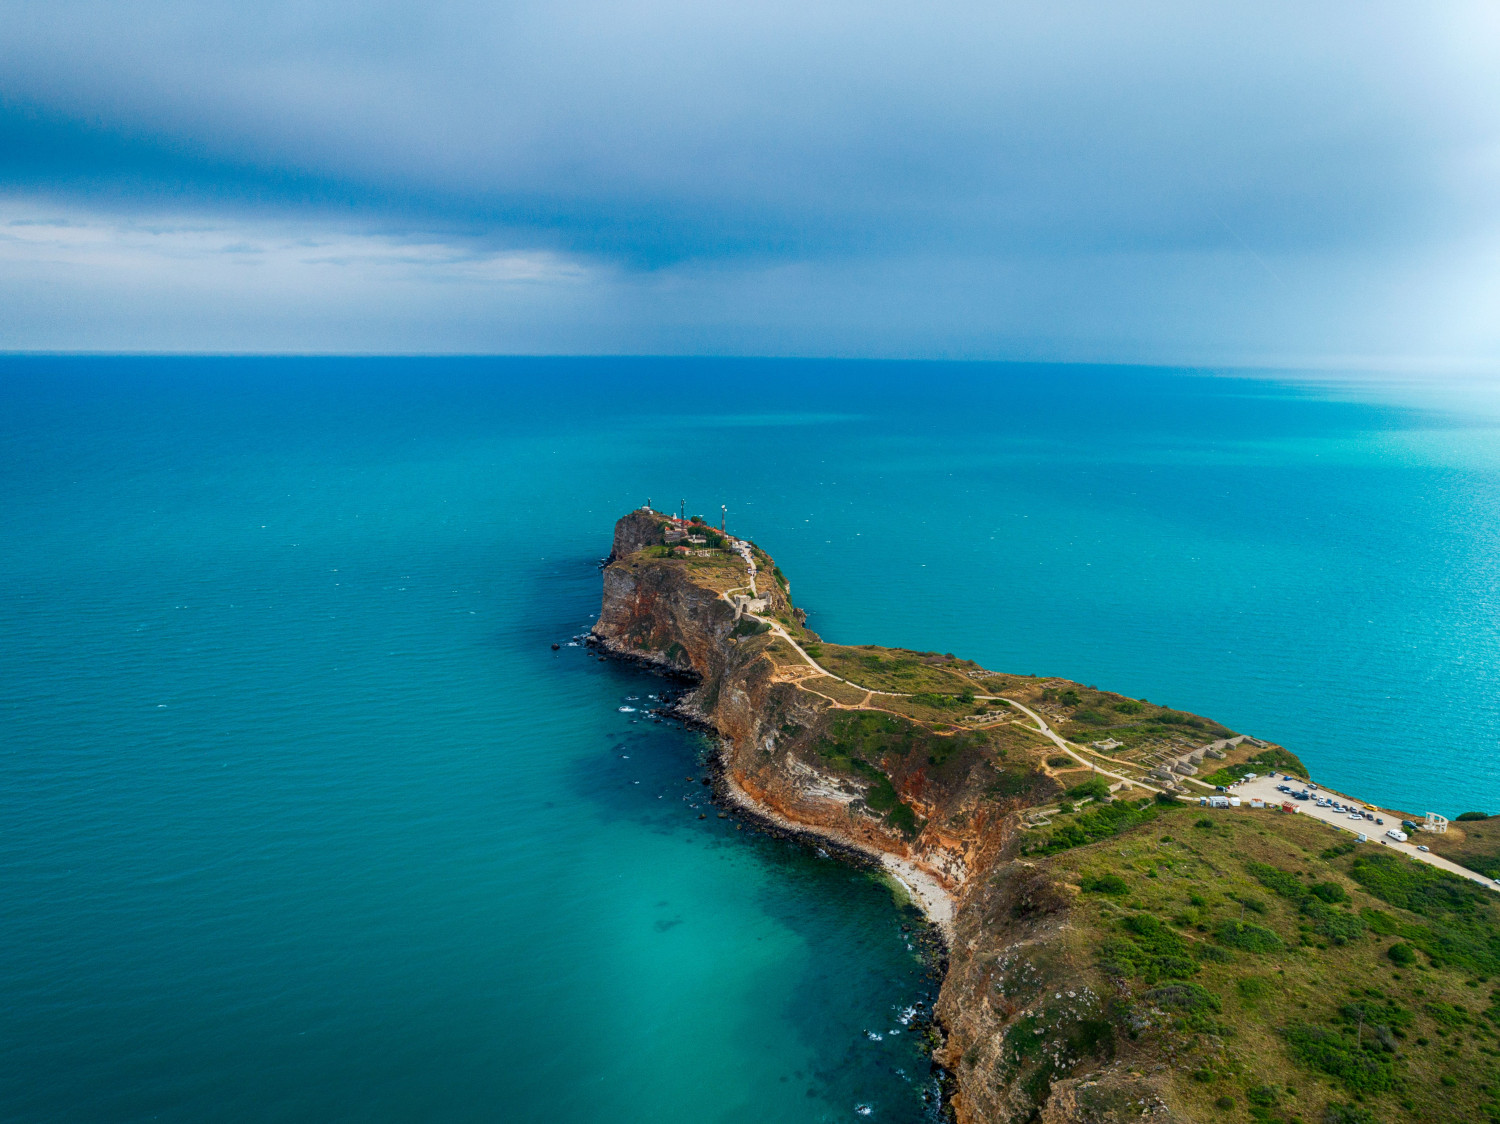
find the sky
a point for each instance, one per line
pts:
(1309, 184)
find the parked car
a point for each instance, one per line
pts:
(1422, 847)
(1379, 821)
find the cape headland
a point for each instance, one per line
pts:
(1116, 950)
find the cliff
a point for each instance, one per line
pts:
(1101, 964)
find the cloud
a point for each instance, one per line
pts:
(1116, 179)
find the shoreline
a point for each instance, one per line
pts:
(936, 904)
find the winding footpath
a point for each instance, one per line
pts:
(1041, 725)
(1252, 788)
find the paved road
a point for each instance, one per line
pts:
(1265, 788)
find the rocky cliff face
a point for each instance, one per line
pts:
(788, 747)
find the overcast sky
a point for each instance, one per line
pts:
(1206, 183)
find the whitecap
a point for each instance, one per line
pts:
(627, 710)
(873, 1037)
(863, 1109)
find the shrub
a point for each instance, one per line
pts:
(1096, 787)
(1151, 951)
(1014, 782)
(1347, 1114)
(1247, 936)
(1335, 924)
(904, 820)
(1361, 1068)
(1465, 817)
(1225, 1102)
(1091, 717)
(1402, 954)
(1263, 1095)
(1253, 987)
(1195, 1005)
(1128, 706)
(1330, 892)
(1103, 822)
(1104, 884)
(1282, 882)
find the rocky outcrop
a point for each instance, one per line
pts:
(634, 532)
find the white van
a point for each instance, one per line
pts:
(1398, 836)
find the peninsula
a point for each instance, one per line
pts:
(1117, 949)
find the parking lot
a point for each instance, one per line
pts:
(1264, 788)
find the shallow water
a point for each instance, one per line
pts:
(303, 818)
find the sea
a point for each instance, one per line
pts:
(313, 809)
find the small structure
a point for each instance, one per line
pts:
(1257, 802)
(1184, 768)
(1435, 823)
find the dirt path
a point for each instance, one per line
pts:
(1057, 739)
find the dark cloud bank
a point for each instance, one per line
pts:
(1203, 183)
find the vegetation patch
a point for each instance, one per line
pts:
(1361, 1066)
(1148, 950)
(1248, 937)
(1462, 927)
(1014, 783)
(1100, 823)
(1096, 788)
(1111, 884)
(1194, 1004)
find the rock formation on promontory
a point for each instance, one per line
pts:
(1115, 950)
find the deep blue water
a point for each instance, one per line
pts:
(304, 820)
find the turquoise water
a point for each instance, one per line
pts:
(305, 820)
